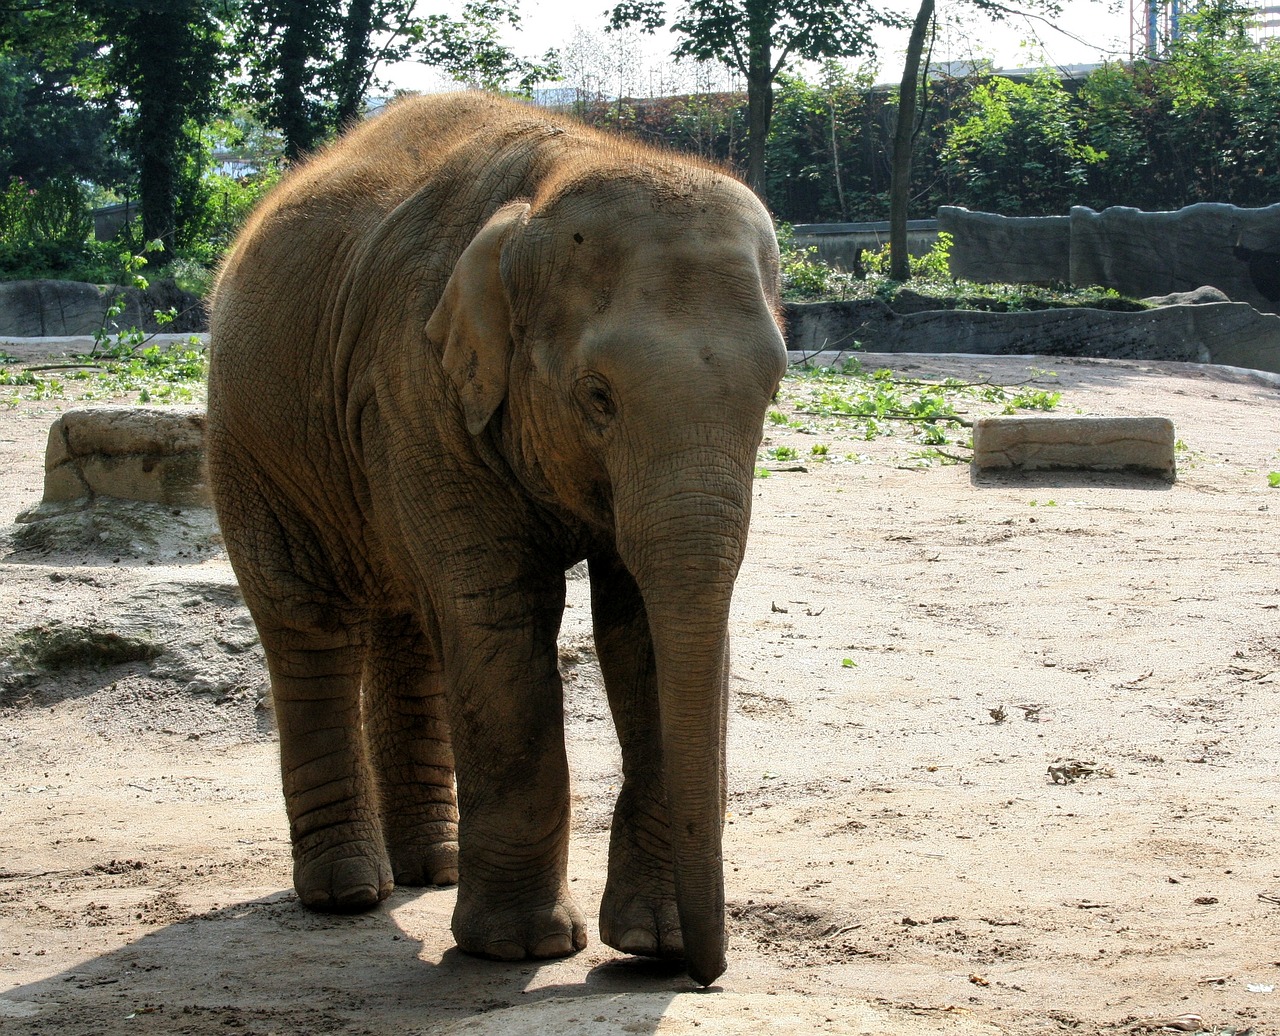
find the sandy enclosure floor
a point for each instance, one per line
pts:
(899, 857)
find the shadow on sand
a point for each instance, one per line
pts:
(270, 966)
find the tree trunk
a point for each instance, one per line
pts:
(900, 181)
(157, 133)
(759, 95)
(292, 106)
(835, 162)
(353, 67)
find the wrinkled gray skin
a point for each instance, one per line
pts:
(454, 354)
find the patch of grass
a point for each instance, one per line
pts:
(175, 374)
(1273, 479)
(853, 402)
(805, 278)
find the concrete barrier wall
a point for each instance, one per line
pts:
(839, 244)
(1138, 253)
(995, 249)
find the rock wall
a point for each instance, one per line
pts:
(1152, 253)
(57, 308)
(995, 249)
(1138, 253)
(1230, 333)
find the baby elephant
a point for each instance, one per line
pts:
(460, 350)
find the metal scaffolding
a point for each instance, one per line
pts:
(1153, 23)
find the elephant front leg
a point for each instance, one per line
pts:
(638, 912)
(507, 718)
(407, 729)
(339, 859)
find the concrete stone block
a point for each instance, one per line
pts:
(150, 454)
(1142, 445)
(64, 483)
(125, 431)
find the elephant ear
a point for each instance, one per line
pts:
(473, 320)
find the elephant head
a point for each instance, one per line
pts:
(617, 338)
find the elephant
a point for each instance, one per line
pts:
(457, 352)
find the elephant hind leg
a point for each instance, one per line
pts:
(339, 858)
(407, 729)
(314, 640)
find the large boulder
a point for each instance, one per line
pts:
(58, 308)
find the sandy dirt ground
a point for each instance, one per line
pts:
(914, 652)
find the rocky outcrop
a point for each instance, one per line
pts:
(58, 308)
(1137, 253)
(1229, 333)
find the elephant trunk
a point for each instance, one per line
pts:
(685, 563)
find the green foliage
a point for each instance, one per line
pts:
(310, 64)
(1273, 479)
(469, 48)
(852, 401)
(804, 276)
(53, 213)
(932, 267)
(48, 131)
(1022, 148)
(158, 375)
(161, 66)
(730, 31)
(1197, 125)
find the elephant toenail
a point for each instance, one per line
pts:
(639, 941)
(504, 949)
(445, 876)
(558, 945)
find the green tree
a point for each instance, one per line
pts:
(1023, 150)
(817, 146)
(757, 39)
(282, 44)
(48, 128)
(161, 61)
(910, 95)
(1199, 124)
(310, 64)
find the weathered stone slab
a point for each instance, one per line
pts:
(1143, 445)
(151, 454)
(995, 249)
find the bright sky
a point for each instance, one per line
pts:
(1093, 30)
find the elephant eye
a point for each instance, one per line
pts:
(595, 393)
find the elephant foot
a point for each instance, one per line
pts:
(339, 870)
(545, 932)
(641, 921)
(420, 862)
